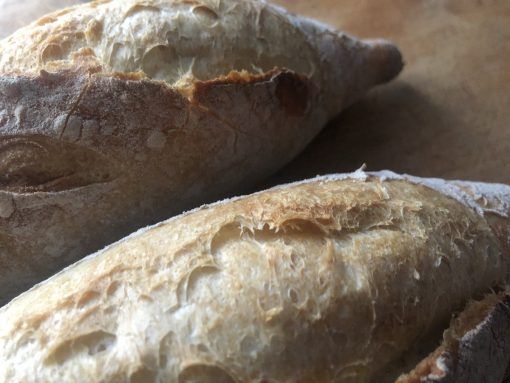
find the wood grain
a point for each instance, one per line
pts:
(448, 115)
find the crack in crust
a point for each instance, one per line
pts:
(291, 89)
(73, 108)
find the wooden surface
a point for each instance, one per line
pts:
(448, 115)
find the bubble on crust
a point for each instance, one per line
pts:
(62, 12)
(206, 15)
(248, 346)
(7, 207)
(88, 298)
(91, 344)
(52, 52)
(112, 288)
(138, 8)
(94, 30)
(155, 60)
(205, 373)
(200, 277)
(156, 140)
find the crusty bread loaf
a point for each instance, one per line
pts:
(118, 114)
(330, 279)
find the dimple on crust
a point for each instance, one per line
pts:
(289, 282)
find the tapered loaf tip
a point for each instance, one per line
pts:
(351, 66)
(386, 60)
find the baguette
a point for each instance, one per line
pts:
(118, 114)
(331, 279)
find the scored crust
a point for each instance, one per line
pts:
(178, 41)
(326, 280)
(92, 149)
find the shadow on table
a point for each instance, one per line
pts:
(394, 127)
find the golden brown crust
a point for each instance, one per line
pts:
(177, 44)
(327, 280)
(117, 114)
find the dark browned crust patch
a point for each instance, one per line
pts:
(292, 90)
(476, 347)
(237, 77)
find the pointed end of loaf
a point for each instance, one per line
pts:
(385, 59)
(356, 67)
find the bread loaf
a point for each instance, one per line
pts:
(118, 114)
(331, 279)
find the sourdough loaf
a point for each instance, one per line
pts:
(117, 114)
(332, 279)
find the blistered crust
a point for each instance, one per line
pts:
(117, 114)
(181, 41)
(326, 280)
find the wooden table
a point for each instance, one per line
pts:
(448, 114)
